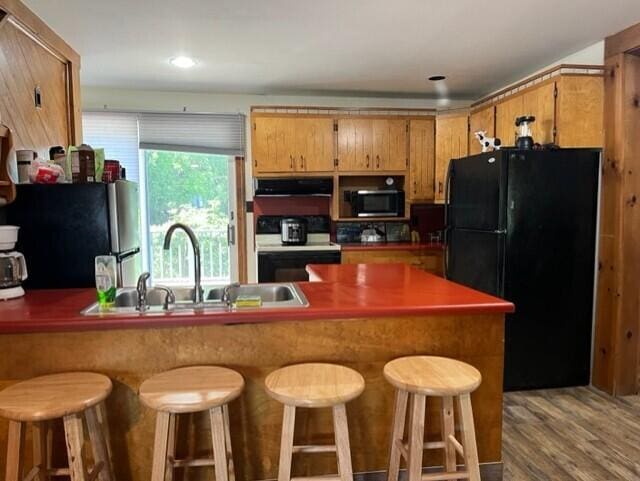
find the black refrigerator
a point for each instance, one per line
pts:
(63, 227)
(522, 225)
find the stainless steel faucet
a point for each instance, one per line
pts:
(169, 298)
(141, 288)
(197, 291)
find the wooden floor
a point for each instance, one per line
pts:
(571, 434)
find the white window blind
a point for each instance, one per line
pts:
(117, 133)
(202, 133)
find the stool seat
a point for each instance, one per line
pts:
(191, 389)
(314, 385)
(432, 376)
(54, 396)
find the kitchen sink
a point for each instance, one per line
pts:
(273, 295)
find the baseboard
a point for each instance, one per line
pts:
(488, 472)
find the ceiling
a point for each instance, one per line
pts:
(333, 47)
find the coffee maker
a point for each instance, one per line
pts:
(13, 268)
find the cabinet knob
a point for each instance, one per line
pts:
(415, 187)
(302, 162)
(291, 162)
(367, 160)
(377, 161)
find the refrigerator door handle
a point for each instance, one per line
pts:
(447, 185)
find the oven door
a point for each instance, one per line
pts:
(380, 203)
(290, 266)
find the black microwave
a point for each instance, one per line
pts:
(377, 203)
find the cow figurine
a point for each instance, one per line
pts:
(487, 142)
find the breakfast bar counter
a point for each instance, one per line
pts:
(361, 316)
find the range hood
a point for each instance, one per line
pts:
(293, 186)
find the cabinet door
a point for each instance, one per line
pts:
(355, 145)
(380, 143)
(24, 65)
(580, 111)
(397, 158)
(541, 103)
(506, 114)
(452, 142)
(421, 159)
(273, 144)
(485, 120)
(314, 145)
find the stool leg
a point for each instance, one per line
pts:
(469, 437)
(219, 445)
(416, 437)
(101, 410)
(397, 434)
(75, 438)
(171, 447)
(42, 448)
(15, 449)
(448, 429)
(159, 465)
(343, 449)
(98, 444)
(227, 437)
(286, 443)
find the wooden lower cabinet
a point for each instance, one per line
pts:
(430, 261)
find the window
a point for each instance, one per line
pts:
(184, 164)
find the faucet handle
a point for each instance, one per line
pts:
(170, 296)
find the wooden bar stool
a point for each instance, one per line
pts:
(39, 401)
(415, 378)
(191, 390)
(315, 385)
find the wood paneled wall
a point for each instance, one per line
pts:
(33, 56)
(616, 351)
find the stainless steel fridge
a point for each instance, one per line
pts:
(63, 227)
(522, 225)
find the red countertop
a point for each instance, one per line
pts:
(394, 246)
(336, 292)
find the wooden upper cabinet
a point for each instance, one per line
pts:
(421, 159)
(369, 145)
(355, 145)
(541, 102)
(31, 68)
(580, 114)
(481, 120)
(506, 114)
(273, 139)
(397, 160)
(452, 142)
(290, 144)
(314, 145)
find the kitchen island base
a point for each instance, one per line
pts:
(129, 356)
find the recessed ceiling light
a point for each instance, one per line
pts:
(435, 78)
(182, 62)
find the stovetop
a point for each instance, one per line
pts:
(315, 242)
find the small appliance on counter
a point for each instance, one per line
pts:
(293, 231)
(13, 268)
(281, 262)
